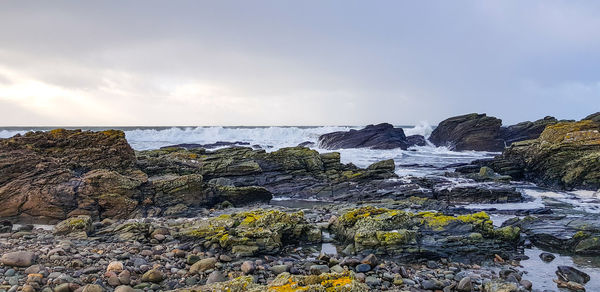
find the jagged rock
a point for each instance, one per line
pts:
(254, 232)
(469, 132)
(565, 155)
(525, 130)
(427, 234)
(293, 171)
(381, 136)
(559, 232)
(593, 117)
(483, 133)
(416, 140)
(570, 274)
(77, 224)
(54, 175)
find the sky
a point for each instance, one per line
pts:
(133, 63)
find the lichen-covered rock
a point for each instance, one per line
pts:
(48, 175)
(254, 232)
(424, 233)
(330, 282)
(559, 232)
(78, 224)
(566, 155)
(293, 171)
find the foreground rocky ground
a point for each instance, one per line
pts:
(187, 218)
(276, 250)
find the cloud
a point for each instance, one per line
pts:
(302, 63)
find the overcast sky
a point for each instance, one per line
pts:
(295, 62)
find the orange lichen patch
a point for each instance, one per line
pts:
(331, 284)
(114, 133)
(291, 286)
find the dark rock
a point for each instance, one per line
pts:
(381, 136)
(6, 226)
(306, 144)
(363, 268)
(525, 130)
(416, 140)
(469, 132)
(593, 117)
(465, 285)
(547, 257)
(570, 274)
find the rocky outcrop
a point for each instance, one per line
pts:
(381, 136)
(424, 234)
(593, 117)
(251, 233)
(296, 171)
(50, 176)
(562, 233)
(566, 155)
(469, 132)
(525, 130)
(483, 133)
(61, 173)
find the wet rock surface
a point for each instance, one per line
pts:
(381, 136)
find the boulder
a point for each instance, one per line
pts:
(78, 224)
(564, 156)
(469, 132)
(416, 140)
(424, 234)
(570, 274)
(380, 136)
(250, 233)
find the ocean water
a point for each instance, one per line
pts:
(416, 161)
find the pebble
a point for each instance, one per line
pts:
(18, 259)
(215, 277)
(247, 267)
(203, 265)
(319, 269)
(363, 268)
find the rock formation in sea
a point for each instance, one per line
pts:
(380, 136)
(484, 133)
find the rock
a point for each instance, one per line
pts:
(64, 287)
(27, 288)
(381, 136)
(570, 274)
(469, 132)
(92, 288)
(253, 232)
(115, 266)
(48, 174)
(372, 281)
(247, 267)
(124, 288)
(81, 223)
(397, 232)
(499, 286)
(525, 130)
(124, 277)
(416, 140)
(363, 268)
(465, 285)
(6, 226)
(547, 257)
(215, 277)
(432, 285)
(18, 259)
(153, 276)
(564, 156)
(526, 284)
(203, 265)
(278, 269)
(319, 269)
(113, 280)
(370, 260)
(593, 117)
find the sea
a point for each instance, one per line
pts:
(415, 161)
